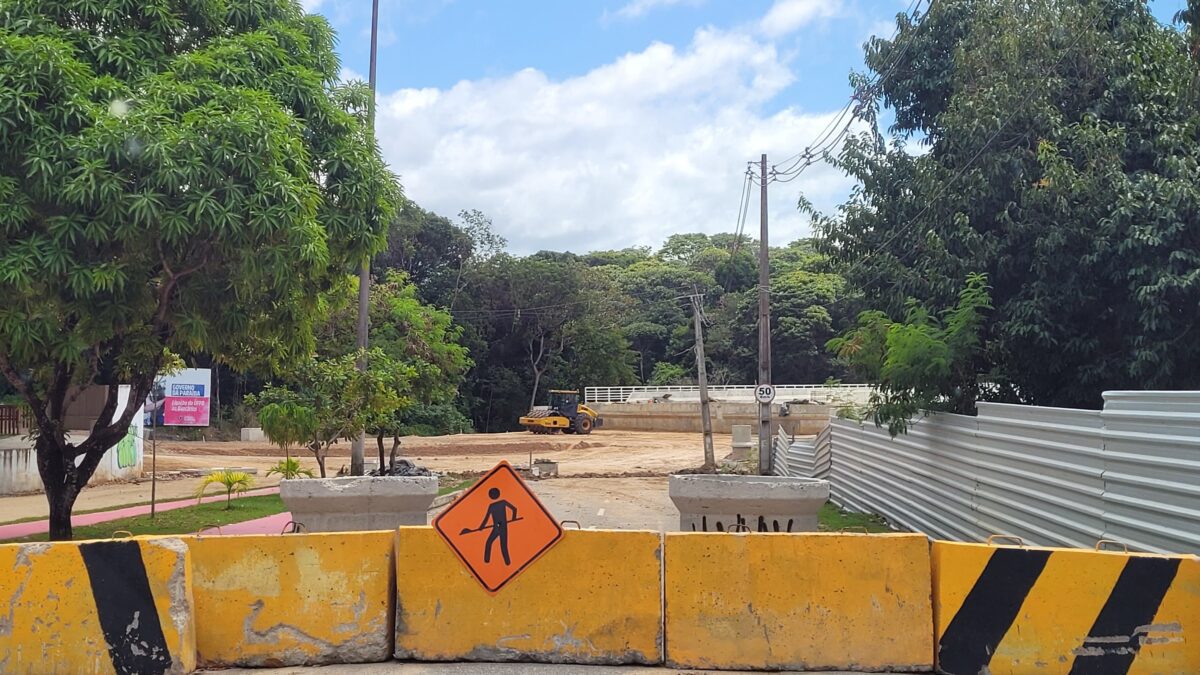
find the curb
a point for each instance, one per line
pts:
(439, 502)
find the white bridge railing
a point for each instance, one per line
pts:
(817, 393)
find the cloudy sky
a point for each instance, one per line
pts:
(587, 124)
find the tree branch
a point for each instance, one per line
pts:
(36, 405)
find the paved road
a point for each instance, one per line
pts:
(480, 669)
(610, 503)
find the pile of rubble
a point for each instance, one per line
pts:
(402, 467)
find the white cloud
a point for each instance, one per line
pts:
(786, 16)
(311, 6)
(348, 74)
(636, 8)
(651, 144)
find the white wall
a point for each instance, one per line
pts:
(18, 465)
(1053, 476)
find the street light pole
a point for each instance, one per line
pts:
(364, 271)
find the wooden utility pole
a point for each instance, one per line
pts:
(764, 327)
(364, 271)
(710, 458)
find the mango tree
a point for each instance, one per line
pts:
(175, 176)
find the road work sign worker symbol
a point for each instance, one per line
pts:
(498, 528)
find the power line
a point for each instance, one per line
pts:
(858, 100)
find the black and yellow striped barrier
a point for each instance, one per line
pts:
(1013, 609)
(752, 601)
(97, 607)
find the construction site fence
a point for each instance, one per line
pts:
(1053, 476)
(810, 457)
(850, 394)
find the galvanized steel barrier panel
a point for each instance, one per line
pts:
(1152, 469)
(1053, 476)
(803, 457)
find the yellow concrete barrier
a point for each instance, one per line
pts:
(96, 607)
(293, 600)
(594, 598)
(798, 601)
(1014, 610)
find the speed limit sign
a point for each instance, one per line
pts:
(765, 393)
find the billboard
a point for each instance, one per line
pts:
(180, 399)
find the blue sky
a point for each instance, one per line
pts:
(584, 124)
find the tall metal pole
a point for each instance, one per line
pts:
(153, 456)
(764, 327)
(364, 271)
(710, 457)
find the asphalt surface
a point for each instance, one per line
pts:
(396, 668)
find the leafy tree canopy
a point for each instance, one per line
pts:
(1064, 163)
(174, 177)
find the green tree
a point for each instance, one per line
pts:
(174, 177)
(343, 400)
(1062, 161)
(416, 337)
(287, 423)
(922, 363)
(669, 374)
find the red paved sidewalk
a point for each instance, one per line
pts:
(17, 530)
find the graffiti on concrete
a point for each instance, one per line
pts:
(127, 450)
(740, 524)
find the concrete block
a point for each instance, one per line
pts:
(253, 435)
(719, 503)
(1048, 610)
(798, 602)
(359, 503)
(595, 598)
(544, 468)
(306, 599)
(742, 443)
(121, 606)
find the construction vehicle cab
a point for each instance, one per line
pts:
(565, 413)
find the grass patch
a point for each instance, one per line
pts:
(114, 507)
(186, 520)
(834, 519)
(456, 486)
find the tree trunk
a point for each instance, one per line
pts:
(316, 451)
(395, 449)
(379, 441)
(61, 498)
(537, 378)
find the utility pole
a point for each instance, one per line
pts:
(364, 271)
(710, 459)
(764, 327)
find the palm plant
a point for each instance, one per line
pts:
(232, 481)
(290, 469)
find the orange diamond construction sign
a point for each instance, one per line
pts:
(498, 528)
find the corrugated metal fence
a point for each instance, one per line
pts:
(808, 458)
(1051, 476)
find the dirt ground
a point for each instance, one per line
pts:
(603, 453)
